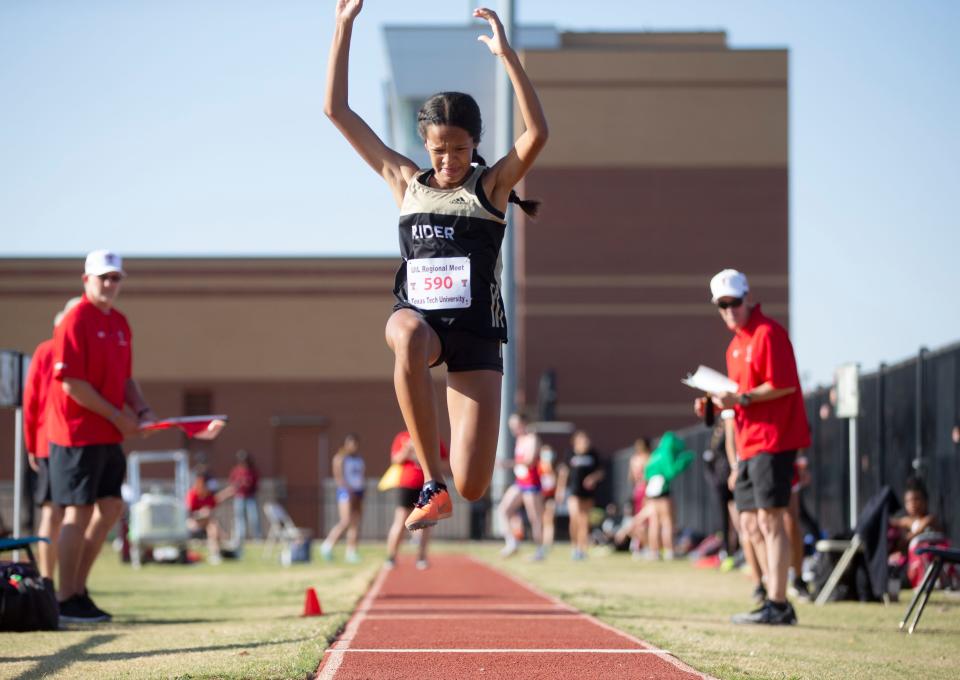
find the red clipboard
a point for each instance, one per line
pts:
(195, 427)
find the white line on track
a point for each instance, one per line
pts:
(332, 665)
(536, 591)
(356, 650)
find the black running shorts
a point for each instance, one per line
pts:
(41, 492)
(462, 350)
(405, 498)
(764, 481)
(79, 475)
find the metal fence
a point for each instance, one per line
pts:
(909, 415)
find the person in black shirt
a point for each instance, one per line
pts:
(580, 476)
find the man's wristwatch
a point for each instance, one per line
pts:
(744, 399)
(143, 411)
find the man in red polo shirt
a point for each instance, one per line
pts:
(94, 403)
(771, 424)
(35, 438)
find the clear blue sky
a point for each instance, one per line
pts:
(191, 128)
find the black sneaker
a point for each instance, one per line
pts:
(802, 592)
(769, 614)
(759, 594)
(88, 601)
(75, 610)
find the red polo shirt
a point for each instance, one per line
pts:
(195, 501)
(35, 399)
(96, 347)
(760, 353)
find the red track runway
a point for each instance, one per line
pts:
(463, 619)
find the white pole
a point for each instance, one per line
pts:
(854, 467)
(504, 128)
(17, 472)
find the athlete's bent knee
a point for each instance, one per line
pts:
(408, 337)
(471, 489)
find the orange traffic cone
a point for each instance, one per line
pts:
(311, 605)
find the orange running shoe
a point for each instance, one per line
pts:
(433, 506)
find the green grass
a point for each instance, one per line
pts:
(242, 620)
(687, 611)
(239, 619)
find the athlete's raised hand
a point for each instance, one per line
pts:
(498, 41)
(347, 10)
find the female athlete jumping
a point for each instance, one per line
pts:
(449, 308)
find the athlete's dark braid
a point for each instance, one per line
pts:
(461, 110)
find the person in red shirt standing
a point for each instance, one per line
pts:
(93, 404)
(35, 438)
(244, 479)
(406, 493)
(771, 424)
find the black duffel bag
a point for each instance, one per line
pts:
(27, 601)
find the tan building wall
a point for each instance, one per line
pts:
(667, 162)
(291, 349)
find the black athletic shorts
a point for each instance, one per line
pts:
(405, 498)
(764, 481)
(41, 492)
(79, 475)
(462, 350)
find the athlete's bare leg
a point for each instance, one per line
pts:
(509, 504)
(416, 347)
(473, 402)
(424, 542)
(754, 549)
(355, 517)
(106, 514)
(665, 515)
(51, 516)
(549, 521)
(778, 551)
(395, 535)
(533, 503)
(75, 521)
(344, 512)
(791, 522)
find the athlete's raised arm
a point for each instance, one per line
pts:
(511, 168)
(395, 168)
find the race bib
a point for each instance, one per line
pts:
(439, 282)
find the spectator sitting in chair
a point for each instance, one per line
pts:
(201, 501)
(918, 527)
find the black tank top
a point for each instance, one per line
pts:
(450, 242)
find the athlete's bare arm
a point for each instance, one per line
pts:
(504, 175)
(395, 168)
(338, 470)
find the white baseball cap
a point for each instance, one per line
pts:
(729, 283)
(103, 262)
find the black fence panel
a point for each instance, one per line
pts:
(908, 425)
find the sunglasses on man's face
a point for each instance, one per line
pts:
(730, 304)
(112, 278)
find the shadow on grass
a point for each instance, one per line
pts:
(164, 622)
(61, 661)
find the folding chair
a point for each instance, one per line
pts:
(870, 538)
(930, 576)
(282, 530)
